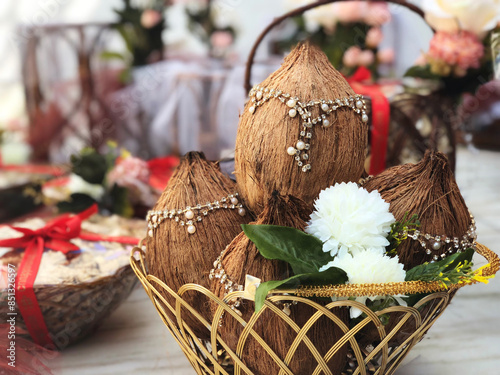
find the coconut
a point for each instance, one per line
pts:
(174, 254)
(240, 258)
(429, 190)
(269, 139)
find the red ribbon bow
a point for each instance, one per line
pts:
(56, 235)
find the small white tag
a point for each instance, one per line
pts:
(251, 285)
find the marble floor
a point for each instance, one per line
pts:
(464, 341)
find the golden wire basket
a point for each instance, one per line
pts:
(406, 327)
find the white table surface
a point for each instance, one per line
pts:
(464, 341)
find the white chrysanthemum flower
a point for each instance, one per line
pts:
(348, 218)
(369, 267)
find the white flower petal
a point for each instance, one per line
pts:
(348, 218)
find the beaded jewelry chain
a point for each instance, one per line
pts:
(259, 95)
(192, 214)
(432, 243)
(218, 272)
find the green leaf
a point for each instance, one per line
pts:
(302, 251)
(431, 271)
(332, 275)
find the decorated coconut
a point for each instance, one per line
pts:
(242, 258)
(429, 190)
(197, 215)
(302, 130)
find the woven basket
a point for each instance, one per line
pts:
(381, 356)
(72, 312)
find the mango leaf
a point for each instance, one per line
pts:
(302, 251)
(332, 275)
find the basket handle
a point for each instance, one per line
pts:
(298, 11)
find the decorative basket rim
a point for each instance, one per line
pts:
(360, 290)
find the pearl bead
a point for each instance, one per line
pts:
(301, 145)
(191, 229)
(292, 112)
(291, 151)
(359, 104)
(251, 109)
(150, 233)
(436, 245)
(291, 103)
(234, 201)
(259, 95)
(324, 107)
(364, 118)
(326, 123)
(241, 212)
(189, 214)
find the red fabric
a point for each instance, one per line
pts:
(56, 235)
(160, 171)
(34, 168)
(380, 117)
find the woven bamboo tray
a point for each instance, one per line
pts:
(381, 356)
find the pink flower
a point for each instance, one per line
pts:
(386, 56)
(150, 18)
(366, 58)
(133, 174)
(455, 52)
(351, 56)
(374, 37)
(221, 39)
(377, 14)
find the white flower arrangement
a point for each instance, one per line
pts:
(352, 240)
(349, 219)
(369, 267)
(353, 225)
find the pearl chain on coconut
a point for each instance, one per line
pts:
(192, 214)
(260, 95)
(432, 243)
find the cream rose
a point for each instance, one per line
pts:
(475, 16)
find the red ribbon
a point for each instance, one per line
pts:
(380, 117)
(56, 235)
(50, 170)
(160, 171)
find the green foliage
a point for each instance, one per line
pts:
(449, 270)
(330, 276)
(77, 203)
(141, 42)
(302, 251)
(400, 230)
(90, 165)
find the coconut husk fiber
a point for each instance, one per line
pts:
(429, 190)
(178, 258)
(242, 258)
(337, 153)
